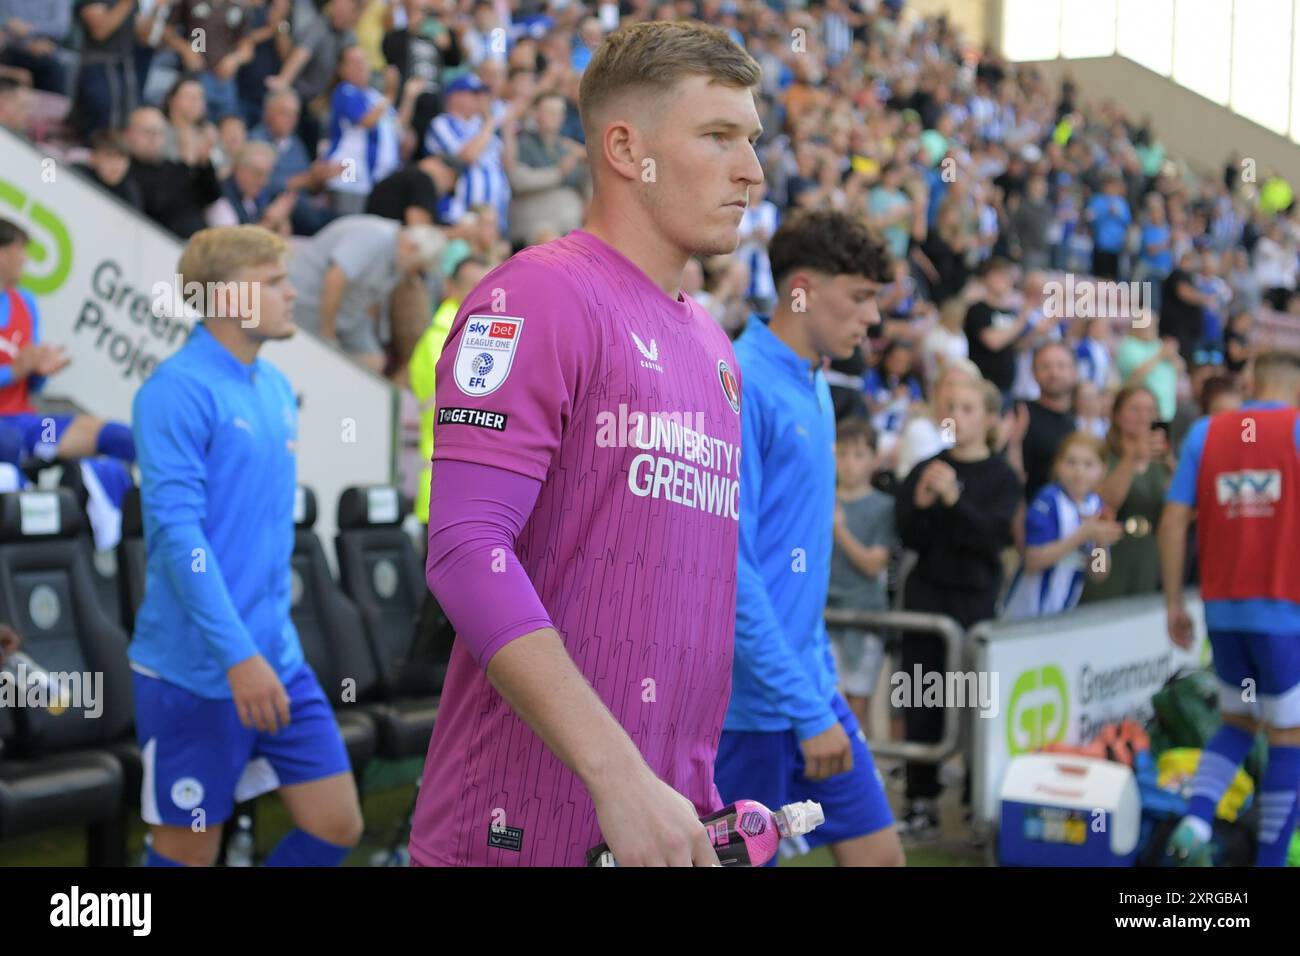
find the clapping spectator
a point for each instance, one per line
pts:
(548, 174)
(1139, 466)
(31, 33)
(1065, 529)
(175, 192)
(364, 133)
(1143, 360)
(422, 49)
(109, 165)
(246, 200)
(107, 84)
(466, 134)
(956, 511)
(188, 127)
(294, 169)
(310, 67)
(226, 46)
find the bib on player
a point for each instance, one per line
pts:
(486, 352)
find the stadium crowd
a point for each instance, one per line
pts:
(408, 147)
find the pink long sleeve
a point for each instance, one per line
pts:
(475, 515)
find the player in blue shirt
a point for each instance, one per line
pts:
(788, 734)
(1239, 473)
(226, 706)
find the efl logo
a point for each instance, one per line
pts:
(1248, 487)
(486, 352)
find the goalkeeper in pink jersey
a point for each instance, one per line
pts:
(585, 496)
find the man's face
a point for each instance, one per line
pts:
(109, 165)
(550, 115)
(998, 282)
(272, 298)
(145, 136)
(281, 116)
(469, 275)
(343, 14)
(463, 102)
(697, 163)
(1054, 372)
(252, 175)
(838, 311)
(13, 259)
(15, 109)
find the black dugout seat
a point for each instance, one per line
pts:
(131, 560)
(329, 629)
(380, 572)
(63, 763)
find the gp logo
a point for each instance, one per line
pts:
(49, 252)
(1038, 709)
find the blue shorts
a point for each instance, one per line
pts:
(40, 433)
(198, 756)
(768, 767)
(1271, 665)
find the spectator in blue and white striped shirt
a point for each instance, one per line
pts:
(467, 135)
(756, 228)
(837, 33)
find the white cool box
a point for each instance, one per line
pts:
(1065, 810)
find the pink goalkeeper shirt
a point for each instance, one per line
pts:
(569, 366)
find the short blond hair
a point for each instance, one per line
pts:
(654, 57)
(218, 254)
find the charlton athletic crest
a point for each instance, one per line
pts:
(730, 387)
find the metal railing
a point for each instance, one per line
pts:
(915, 622)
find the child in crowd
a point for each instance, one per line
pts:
(890, 389)
(1093, 353)
(1089, 411)
(864, 541)
(1217, 295)
(1064, 529)
(956, 511)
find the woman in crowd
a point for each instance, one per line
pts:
(1138, 469)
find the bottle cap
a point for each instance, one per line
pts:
(803, 817)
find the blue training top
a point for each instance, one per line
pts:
(216, 441)
(783, 676)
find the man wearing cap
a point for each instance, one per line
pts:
(466, 134)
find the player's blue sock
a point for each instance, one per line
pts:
(1278, 808)
(116, 441)
(154, 858)
(300, 848)
(1219, 762)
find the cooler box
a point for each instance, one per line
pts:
(1064, 810)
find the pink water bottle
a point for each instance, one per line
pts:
(746, 833)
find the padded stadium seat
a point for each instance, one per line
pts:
(47, 593)
(131, 560)
(380, 572)
(103, 563)
(334, 642)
